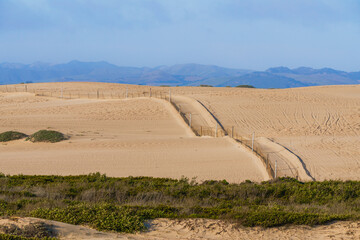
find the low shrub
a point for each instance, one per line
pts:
(101, 217)
(11, 135)
(47, 136)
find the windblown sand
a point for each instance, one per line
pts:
(321, 125)
(146, 137)
(134, 137)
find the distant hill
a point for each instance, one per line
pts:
(324, 76)
(264, 80)
(176, 75)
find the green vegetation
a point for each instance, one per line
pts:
(245, 86)
(46, 136)
(123, 204)
(205, 85)
(11, 135)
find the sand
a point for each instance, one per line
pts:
(319, 125)
(199, 229)
(121, 138)
(314, 130)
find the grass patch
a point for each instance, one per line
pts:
(47, 136)
(11, 135)
(123, 204)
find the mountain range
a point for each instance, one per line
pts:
(176, 75)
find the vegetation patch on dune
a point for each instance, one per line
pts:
(124, 204)
(47, 136)
(245, 86)
(11, 135)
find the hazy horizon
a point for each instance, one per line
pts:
(254, 35)
(168, 65)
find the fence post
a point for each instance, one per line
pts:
(150, 92)
(232, 132)
(25, 88)
(201, 131)
(97, 94)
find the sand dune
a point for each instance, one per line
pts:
(146, 137)
(320, 125)
(133, 137)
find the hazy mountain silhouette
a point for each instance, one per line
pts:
(176, 75)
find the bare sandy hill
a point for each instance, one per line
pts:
(131, 137)
(321, 125)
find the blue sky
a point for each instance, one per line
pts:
(250, 34)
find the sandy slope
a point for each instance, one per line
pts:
(199, 229)
(133, 137)
(319, 124)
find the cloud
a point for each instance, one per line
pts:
(237, 33)
(72, 14)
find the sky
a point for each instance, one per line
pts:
(247, 34)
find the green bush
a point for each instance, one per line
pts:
(11, 135)
(47, 136)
